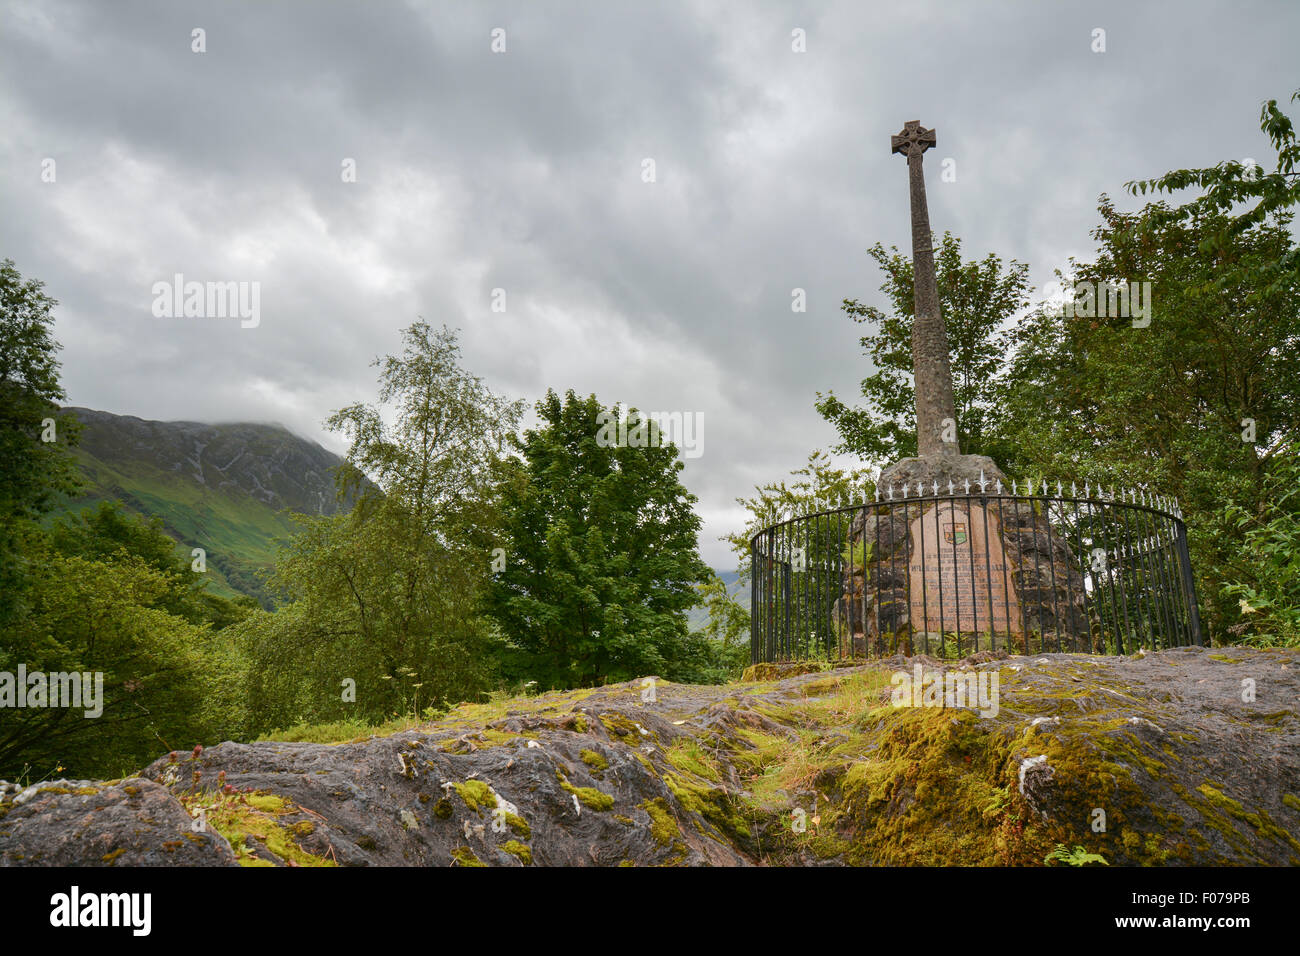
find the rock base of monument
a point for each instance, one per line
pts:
(959, 573)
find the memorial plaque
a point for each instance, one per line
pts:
(959, 575)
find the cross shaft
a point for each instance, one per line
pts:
(931, 368)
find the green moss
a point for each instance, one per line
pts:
(464, 856)
(111, 858)
(594, 760)
(589, 796)
(519, 825)
(442, 809)
(662, 825)
(1291, 800)
(238, 817)
(688, 756)
(266, 802)
(1260, 820)
(477, 795)
(521, 850)
(712, 803)
(621, 728)
(759, 673)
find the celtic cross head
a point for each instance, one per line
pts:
(915, 139)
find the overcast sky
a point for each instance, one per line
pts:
(523, 170)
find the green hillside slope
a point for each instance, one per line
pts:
(228, 489)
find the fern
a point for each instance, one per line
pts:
(1076, 857)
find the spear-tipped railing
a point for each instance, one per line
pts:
(953, 570)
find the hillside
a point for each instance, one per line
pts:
(228, 488)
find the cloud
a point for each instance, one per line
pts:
(522, 171)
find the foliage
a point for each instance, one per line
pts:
(387, 595)
(167, 682)
(1076, 857)
(976, 299)
(33, 472)
(107, 530)
(1265, 573)
(601, 550)
(726, 629)
(1166, 406)
(819, 486)
(1227, 186)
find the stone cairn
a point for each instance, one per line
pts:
(1031, 600)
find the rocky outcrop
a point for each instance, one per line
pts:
(133, 822)
(1185, 756)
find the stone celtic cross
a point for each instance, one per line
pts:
(931, 371)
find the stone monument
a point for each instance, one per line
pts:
(979, 569)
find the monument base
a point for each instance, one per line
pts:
(963, 571)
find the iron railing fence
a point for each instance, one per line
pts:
(955, 574)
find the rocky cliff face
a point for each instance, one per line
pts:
(1186, 756)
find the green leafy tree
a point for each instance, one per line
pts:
(1263, 576)
(976, 298)
(1226, 187)
(818, 485)
(34, 465)
(728, 620)
(166, 683)
(387, 597)
(107, 530)
(1197, 404)
(602, 550)
(726, 629)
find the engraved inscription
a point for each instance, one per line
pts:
(960, 578)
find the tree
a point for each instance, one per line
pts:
(1263, 576)
(387, 596)
(1197, 404)
(107, 531)
(166, 683)
(1227, 186)
(726, 630)
(820, 486)
(976, 299)
(600, 549)
(34, 436)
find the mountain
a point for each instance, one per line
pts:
(228, 489)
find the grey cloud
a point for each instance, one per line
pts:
(522, 171)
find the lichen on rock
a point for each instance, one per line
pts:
(1148, 760)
